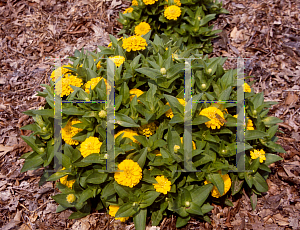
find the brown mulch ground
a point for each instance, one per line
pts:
(32, 32)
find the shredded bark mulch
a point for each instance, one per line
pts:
(33, 33)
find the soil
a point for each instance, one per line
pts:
(35, 33)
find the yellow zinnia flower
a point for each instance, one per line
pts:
(69, 131)
(64, 180)
(214, 122)
(68, 80)
(169, 113)
(128, 10)
(149, 2)
(227, 184)
(93, 82)
(128, 133)
(172, 12)
(130, 173)
(118, 60)
(71, 198)
(157, 153)
(134, 3)
(89, 146)
(194, 145)
(135, 92)
(98, 64)
(148, 129)
(258, 154)
(246, 88)
(142, 29)
(59, 70)
(176, 148)
(163, 185)
(249, 123)
(134, 43)
(113, 210)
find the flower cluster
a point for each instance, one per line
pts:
(215, 115)
(128, 133)
(69, 131)
(149, 2)
(258, 154)
(66, 83)
(60, 71)
(163, 185)
(118, 60)
(130, 173)
(172, 12)
(71, 198)
(148, 129)
(134, 43)
(142, 29)
(89, 146)
(64, 180)
(135, 92)
(128, 10)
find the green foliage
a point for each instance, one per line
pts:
(192, 26)
(155, 120)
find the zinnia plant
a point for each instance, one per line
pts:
(147, 174)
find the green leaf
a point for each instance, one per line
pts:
(124, 120)
(94, 158)
(217, 180)
(200, 120)
(122, 191)
(45, 112)
(148, 198)
(62, 200)
(97, 178)
(142, 159)
(174, 103)
(194, 209)
(254, 134)
(149, 72)
(77, 215)
(271, 158)
(139, 219)
(200, 194)
(32, 163)
(249, 179)
(175, 69)
(126, 210)
(60, 208)
(206, 208)
(156, 217)
(73, 111)
(253, 200)
(180, 222)
(260, 183)
(31, 142)
(236, 184)
(271, 120)
(85, 195)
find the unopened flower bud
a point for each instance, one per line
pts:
(203, 86)
(209, 71)
(163, 71)
(187, 204)
(102, 114)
